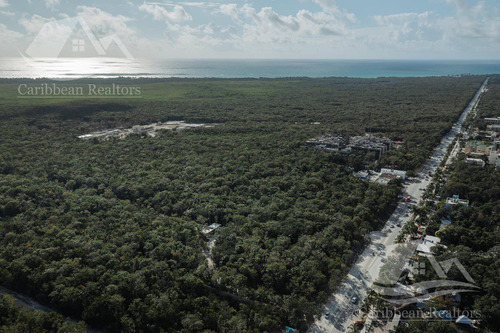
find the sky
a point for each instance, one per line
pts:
(294, 29)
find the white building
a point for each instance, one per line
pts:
(210, 228)
(475, 161)
(398, 173)
(427, 244)
(494, 158)
(492, 120)
(455, 200)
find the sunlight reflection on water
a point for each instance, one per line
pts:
(73, 68)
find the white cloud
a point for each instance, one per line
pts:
(239, 28)
(472, 22)
(7, 35)
(51, 3)
(178, 14)
(103, 23)
(255, 32)
(230, 9)
(330, 7)
(327, 5)
(411, 26)
(34, 24)
(3, 3)
(10, 41)
(268, 26)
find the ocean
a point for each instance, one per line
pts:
(72, 68)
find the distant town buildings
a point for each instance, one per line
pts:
(475, 161)
(476, 148)
(149, 130)
(345, 144)
(383, 177)
(477, 151)
(427, 244)
(445, 222)
(492, 120)
(494, 157)
(397, 173)
(330, 142)
(494, 128)
(455, 200)
(211, 228)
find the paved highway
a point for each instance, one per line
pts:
(338, 313)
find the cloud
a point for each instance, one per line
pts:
(103, 23)
(268, 26)
(330, 7)
(472, 22)
(254, 32)
(3, 3)
(230, 10)
(10, 40)
(34, 24)
(7, 36)
(178, 14)
(51, 3)
(411, 26)
(327, 5)
(13, 41)
(469, 23)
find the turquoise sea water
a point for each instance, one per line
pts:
(68, 68)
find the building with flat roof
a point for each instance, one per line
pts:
(475, 161)
(492, 120)
(476, 148)
(455, 200)
(427, 244)
(345, 144)
(398, 173)
(371, 143)
(385, 178)
(494, 127)
(210, 228)
(326, 141)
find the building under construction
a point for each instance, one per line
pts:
(345, 144)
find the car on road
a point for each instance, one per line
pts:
(354, 300)
(358, 324)
(327, 314)
(383, 260)
(392, 225)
